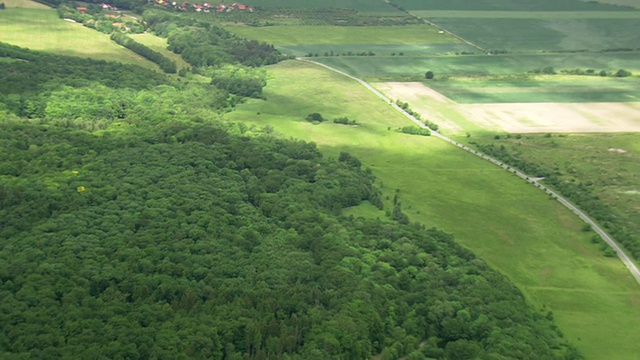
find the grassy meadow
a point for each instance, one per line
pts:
(533, 240)
(610, 161)
(41, 29)
(552, 88)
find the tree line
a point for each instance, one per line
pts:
(165, 63)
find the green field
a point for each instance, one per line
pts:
(509, 5)
(533, 240)
(611, 162)
(359, 5)
(41, 29)
(485, 14)
(338, 35)
(413, 68)
(377, 49)
(555, 88)
(532, 34)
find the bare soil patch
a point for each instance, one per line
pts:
(555, 117)
(517, 117)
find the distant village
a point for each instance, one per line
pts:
(206, 7)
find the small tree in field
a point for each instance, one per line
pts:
(2, 6)
(429, 75)
(622, 73)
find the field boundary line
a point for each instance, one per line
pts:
(633, 269)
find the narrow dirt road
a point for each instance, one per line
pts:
(621, 254)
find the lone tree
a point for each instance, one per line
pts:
(429, 75)
(2, 6)
(314, 117)
(622, 73)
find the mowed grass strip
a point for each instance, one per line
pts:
(533, 240)
(335, 35)
(42, 29)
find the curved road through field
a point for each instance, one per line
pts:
(621, 254)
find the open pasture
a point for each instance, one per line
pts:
(509, 5)
(534, 34)
(536, 242)
(359, 5)
(611, 162)
(42, 29)
(338, 35)
(411, 68)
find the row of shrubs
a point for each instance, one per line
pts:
(549, 70)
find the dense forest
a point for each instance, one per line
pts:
(135, 223)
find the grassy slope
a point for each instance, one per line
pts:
(41, 29)
(588, 158)
(160, 45)
(516, 228)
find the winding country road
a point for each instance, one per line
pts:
(621, 254)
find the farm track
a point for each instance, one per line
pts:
(633, 269)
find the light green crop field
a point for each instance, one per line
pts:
(560, 34)
(42, 29)
(359, 5)
(334, 35)
(413, 68)
(517, 229)
(485, 14)
(554, 88)
(510, 5)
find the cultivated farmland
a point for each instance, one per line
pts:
(527, 35)
(516, 228)
(413, 68)
(507, 5)
(359, 5)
